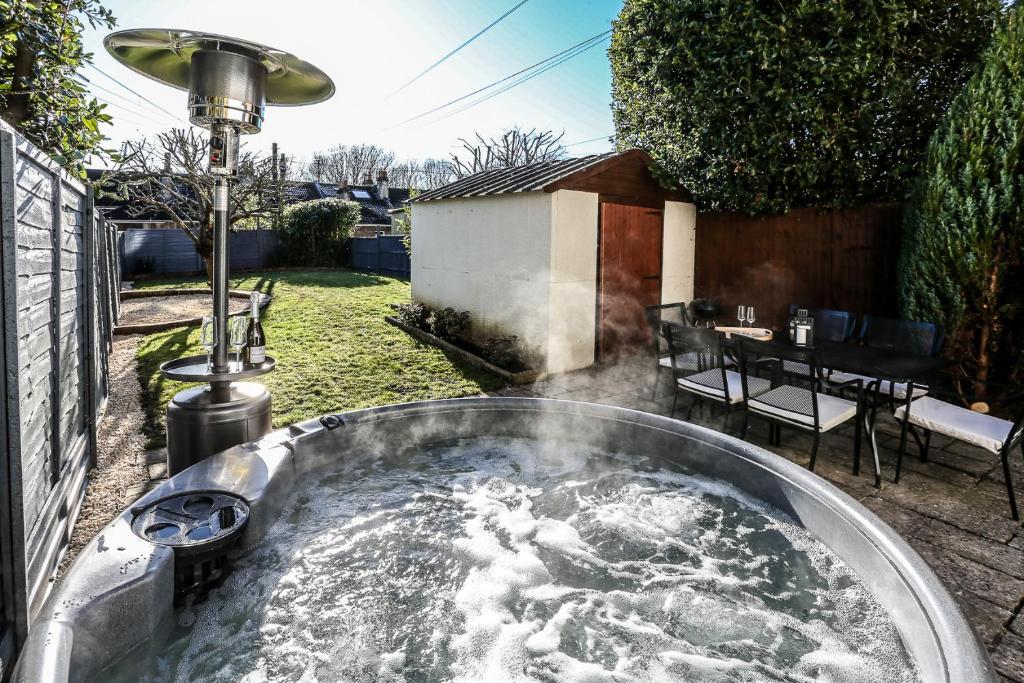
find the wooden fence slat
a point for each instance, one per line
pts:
(844, 259)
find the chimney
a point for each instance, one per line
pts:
(382, 184)
(343, 191)
(367, 178)
(167, 162)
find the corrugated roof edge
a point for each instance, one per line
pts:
(528, 178)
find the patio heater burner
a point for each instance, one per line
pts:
(230, 82)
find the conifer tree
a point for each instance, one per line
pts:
(962, 262)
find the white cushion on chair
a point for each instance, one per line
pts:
(899, 391)
(788, 401)
(709, 383)
(982, 430)
(686, 361)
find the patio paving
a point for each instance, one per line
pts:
(952, 509)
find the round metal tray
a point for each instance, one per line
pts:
(194, 369)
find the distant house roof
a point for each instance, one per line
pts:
(374, 208)
(116, 209)
(549, 176)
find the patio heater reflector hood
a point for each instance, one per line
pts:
(230, 82)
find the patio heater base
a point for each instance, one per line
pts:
(205, 420)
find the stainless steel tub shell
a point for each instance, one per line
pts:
(118, 592)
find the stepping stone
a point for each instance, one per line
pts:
(156, 455)
(158, 470)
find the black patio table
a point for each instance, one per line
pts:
(880, 364)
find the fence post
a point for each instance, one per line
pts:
(57, 226)
(378, 252)
(91, 322)
(14, 616)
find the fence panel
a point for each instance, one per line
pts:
(382, 254)
(166, 251)
(59, 303)
(844, 259)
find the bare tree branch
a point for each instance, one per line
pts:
(514, 147)
(169, 176)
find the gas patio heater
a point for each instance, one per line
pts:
(229, 83)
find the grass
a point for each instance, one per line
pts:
(333, 348)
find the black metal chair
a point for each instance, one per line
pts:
(655, 316)
(787, 405)
(994, 434)
(907, 336)
(708, 377)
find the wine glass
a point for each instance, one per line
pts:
(208, 338)
(239, 325)
(750, 316)
(741, 314)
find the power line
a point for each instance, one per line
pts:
(141, 97)
(593, 39)
(445, 58)
(583, 142)
(520, 81)
(136, 107)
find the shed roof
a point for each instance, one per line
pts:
(546, 176)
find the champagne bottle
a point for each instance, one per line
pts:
(255, 340)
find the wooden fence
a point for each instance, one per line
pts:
(59, 294)
(382, 254)
(169, 250)
(844, 259)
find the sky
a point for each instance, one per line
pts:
(370, 49)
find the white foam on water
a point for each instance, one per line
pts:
(514, 560)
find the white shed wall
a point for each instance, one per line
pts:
(678, 246)
(526, 264)
(572, 314)
(489, 256)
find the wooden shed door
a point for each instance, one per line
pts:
(629, 270)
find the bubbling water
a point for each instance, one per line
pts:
(518, 560)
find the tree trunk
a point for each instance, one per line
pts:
(18, 104)
(208, 262)
(988, 323)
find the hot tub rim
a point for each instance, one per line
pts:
(964, 656)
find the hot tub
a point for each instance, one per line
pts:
(118, 596)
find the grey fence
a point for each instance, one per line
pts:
(162, 250)
(59, 292)
(383, 254)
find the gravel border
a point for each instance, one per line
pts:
(121, 474)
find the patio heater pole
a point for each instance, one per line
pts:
(229, 82)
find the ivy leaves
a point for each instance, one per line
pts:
(41, 94)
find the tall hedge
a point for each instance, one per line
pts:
(763, 106)
(315, 233)
(963, 257)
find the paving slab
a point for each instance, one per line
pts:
(1009, 657)
(962, 575)
(998, 556)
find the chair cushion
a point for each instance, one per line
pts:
(709, 383)
(900, 391)
(684, 361)
(794, 404)
(982, 430)
(687, 361)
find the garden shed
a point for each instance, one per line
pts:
(564, 254)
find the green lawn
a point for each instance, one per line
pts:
(333, 348)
